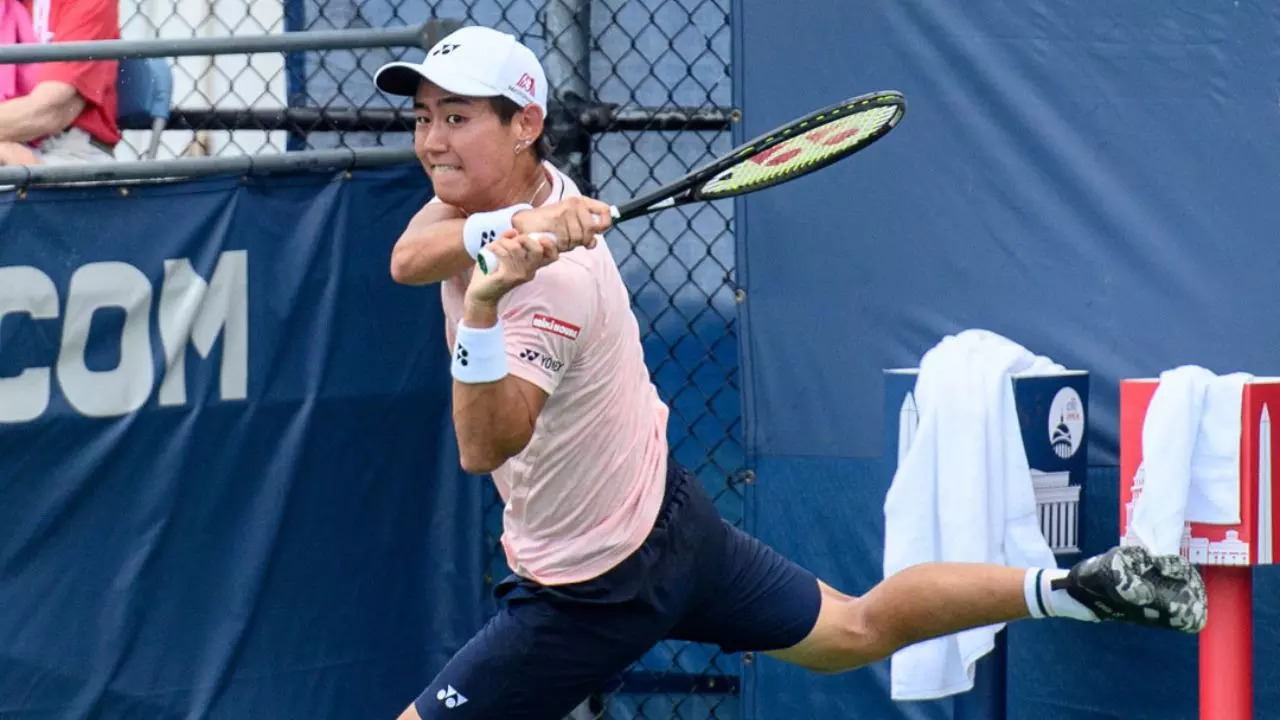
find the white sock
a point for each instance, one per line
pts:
(1042, 601)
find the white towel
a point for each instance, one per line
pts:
(963, 493)
(1190, 456)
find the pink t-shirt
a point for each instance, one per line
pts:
(584, 494)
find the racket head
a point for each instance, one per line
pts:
(803, 145)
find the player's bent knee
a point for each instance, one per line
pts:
(845, 638)
(857, 639)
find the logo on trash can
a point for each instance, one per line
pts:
(1066, 423)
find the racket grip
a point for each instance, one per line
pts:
(488, 262)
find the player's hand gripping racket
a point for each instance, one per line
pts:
(785, 153)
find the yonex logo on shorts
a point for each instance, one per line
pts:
(555, 325)
(450, 697)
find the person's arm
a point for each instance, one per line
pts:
(431, 250)
(63, 89)
(494, 421)
(49, 108)
(514, 346)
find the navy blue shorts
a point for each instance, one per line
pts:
(696, 578)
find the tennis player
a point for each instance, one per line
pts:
(613, 545)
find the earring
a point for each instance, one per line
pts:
(520, 146)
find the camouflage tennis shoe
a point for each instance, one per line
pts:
(1128, 583)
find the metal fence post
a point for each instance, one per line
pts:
(567, 27)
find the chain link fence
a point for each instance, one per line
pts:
(226, 82)
(640, 93)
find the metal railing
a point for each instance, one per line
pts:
(117, 172)
(234, 45)
(571, 118)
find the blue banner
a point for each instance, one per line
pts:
(228, 482)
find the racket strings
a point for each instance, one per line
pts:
(797, 154)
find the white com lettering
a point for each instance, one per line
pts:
(191, 312)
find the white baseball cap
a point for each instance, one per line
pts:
(473, 62)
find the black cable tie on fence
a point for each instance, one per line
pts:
(20, 184)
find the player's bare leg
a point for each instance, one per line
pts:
(916, 604)
(936, 599)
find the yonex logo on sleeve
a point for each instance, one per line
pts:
(546, 323)
(547, 362)
(450, 697)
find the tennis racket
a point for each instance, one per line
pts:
(785, 153)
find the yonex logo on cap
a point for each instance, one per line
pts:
(450, 697)
(445, 48)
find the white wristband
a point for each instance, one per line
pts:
(482, 228)
(479, 354)
(1033, 593)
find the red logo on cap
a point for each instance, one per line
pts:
(526, 84)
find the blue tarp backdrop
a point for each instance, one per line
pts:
(1096, 181)
(281, 529)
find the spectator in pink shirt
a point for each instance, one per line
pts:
(613, 546)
